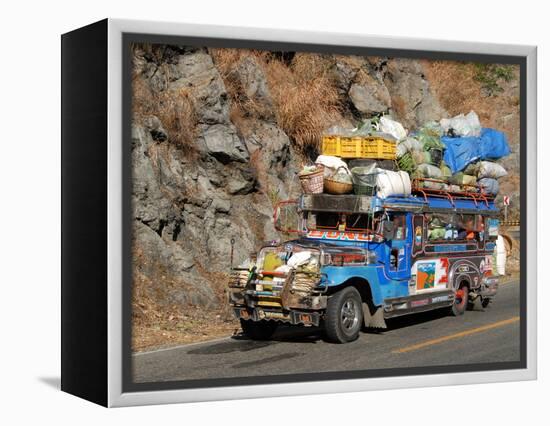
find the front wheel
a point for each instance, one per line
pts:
(258, 330)
(344, 316)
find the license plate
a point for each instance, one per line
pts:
(275, 315)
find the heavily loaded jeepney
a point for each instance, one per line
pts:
(358, 260)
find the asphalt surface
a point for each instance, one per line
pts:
(427, 339)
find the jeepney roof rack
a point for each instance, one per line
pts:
(467, 192)
(348, 203)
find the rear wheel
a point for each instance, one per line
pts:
(258, 330)
(461, 300)
(344, 316)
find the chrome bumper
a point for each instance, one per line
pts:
(488, 287)
(291, 317)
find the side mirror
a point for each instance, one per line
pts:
(388, 229)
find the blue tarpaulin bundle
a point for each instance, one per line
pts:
(459, 152)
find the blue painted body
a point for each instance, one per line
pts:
(385, 281)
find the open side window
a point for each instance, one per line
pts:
(445, 227)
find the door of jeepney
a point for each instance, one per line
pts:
(398, 247)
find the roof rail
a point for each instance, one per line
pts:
(467, 192)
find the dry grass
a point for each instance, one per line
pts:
(305, 104)
(156, 324)
(227, 61)
(175, 109)
(305, 99)
(399, 106)
(313, 65)
(459, 91)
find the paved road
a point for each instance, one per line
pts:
(427, 339)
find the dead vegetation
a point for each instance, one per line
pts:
(459, 89)
(243, 106)
(304, 103)
(155, 324)
(304, 95)
(174, 108)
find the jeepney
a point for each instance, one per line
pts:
(358, 260)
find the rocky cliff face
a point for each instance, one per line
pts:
(217, 139)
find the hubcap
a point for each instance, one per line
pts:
(349, 314)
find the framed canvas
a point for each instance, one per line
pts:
(253, 213)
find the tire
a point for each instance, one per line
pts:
(344, 316)
(461, 301)
(258, 330)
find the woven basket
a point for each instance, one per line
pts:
(337, 188)
(312, 183)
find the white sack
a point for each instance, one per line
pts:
(463, 125)
(430, 171)
(283, 268)
(500, 256)
(408, 145)
(331, 164)
(394, 128)
(392, 183)
(487, 169)
(299, 258)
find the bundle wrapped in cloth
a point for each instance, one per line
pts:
(392, 127)
(463, 179)
(429, 171)
(331, 164)
(489, 186)
(462, 125)
(487, 169)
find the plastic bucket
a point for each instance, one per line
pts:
(436, 156)
(364, 180)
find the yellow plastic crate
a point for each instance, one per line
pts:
(358, 147)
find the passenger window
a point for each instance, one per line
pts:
(440, 227)
(459, 227)
(470, 227)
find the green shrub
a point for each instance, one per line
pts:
(492, 75)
